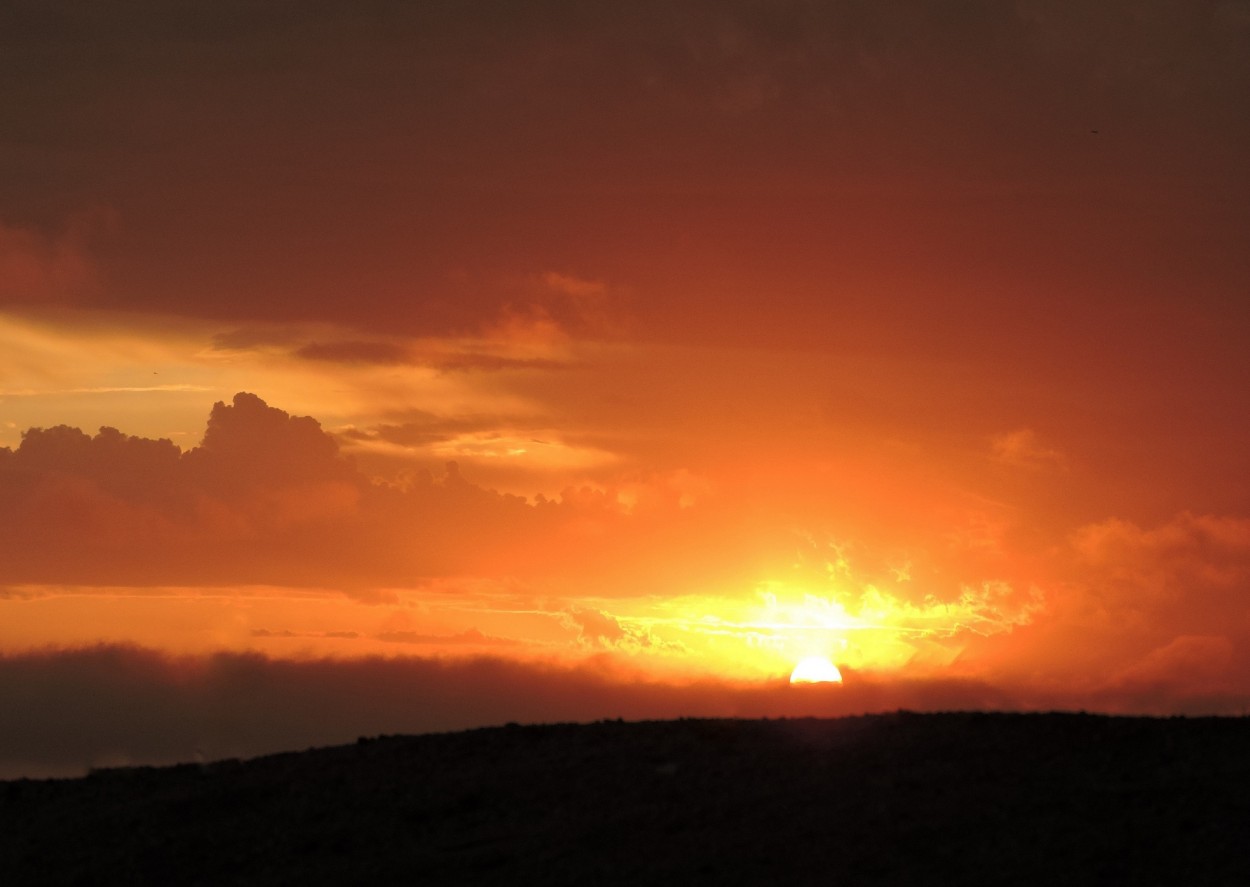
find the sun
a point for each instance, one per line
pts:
(816, 670)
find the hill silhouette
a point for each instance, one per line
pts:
(881, 799)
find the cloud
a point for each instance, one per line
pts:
(485, 355)
(355, 352)
(68, 710)
(1115, 540)
(250, 444)
(1195, 663)
(469, 361)
(115, 508)
(1163, 593)
(469, 637)
(287, 633)
(597, 628)
(265, 498)
(37, 267)
(501, 347)
(1148, 611)
(1024, 449)
(419, 427)
(268, 498)
(1189, 571)
(618, 130)
(252, 336)
(574, 287)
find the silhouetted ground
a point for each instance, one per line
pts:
(888, 799)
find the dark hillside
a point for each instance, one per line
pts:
(888, 799)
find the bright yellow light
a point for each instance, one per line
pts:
(815, 670)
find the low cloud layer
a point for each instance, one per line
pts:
(111, 706)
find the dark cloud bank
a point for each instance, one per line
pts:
(67, 711)
(394, 144)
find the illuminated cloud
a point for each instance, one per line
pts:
(1023, 449)
(93, 368)
(470, 637)
(598, 629)
(1187, 572)
(1151, 613)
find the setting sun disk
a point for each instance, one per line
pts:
(816, 670)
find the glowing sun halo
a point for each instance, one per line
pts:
(815, 670)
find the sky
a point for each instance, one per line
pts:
(387, 367)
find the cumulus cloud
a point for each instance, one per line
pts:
(265, 494)
(268, 498)
(250, 443)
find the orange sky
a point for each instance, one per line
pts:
(907, 334)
